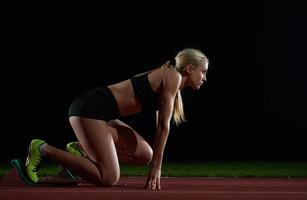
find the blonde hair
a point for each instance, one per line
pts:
(184, 57)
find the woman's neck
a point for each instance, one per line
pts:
(183, 82)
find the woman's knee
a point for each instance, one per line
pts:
(144, 156)
(109, 178)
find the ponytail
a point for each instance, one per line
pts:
(178, 112)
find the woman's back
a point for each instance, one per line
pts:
(141, 92)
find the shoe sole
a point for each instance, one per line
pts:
(21, 172)
(71, 175)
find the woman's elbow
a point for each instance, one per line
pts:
(164, 127)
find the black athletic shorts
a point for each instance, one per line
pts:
(98, 103)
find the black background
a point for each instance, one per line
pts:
(253, 106)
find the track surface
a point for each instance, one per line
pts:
(13, 188)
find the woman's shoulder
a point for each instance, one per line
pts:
(166, 77)
(165, 72)
(171, 74)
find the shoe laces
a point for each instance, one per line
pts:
(37, 166)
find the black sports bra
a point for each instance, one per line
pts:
(149, 100)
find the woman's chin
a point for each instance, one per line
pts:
(195, 87)
(198, 87)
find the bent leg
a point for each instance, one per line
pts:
(98, 143)
(84, 167)
(131, 147)
(101, 167)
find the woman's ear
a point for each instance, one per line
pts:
(187, 69)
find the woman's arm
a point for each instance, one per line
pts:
(167, 97)
(157, 118)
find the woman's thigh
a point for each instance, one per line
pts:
(98, 143)
(131, 147)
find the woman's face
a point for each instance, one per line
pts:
(198, 76)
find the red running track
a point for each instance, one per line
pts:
(12, 188)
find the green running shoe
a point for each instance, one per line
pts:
(33, 159)
(75, 148)
(21, 171)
